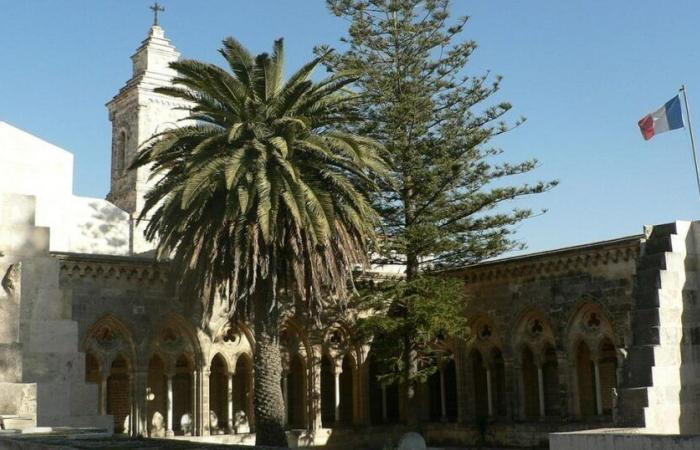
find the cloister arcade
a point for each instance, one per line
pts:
(201, 385)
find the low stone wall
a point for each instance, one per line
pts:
(622, 439)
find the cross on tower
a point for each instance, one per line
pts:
(156, 8)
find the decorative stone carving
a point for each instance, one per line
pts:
(412, 441)
(10, 282)
(157, 425)
(214, 423)
(186, 424)
(240, 423)
(171, 341)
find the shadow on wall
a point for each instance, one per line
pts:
(106, 229)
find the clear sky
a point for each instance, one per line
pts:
(582, 71)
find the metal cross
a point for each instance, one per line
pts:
(156, 8)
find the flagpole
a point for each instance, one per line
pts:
(692, 138)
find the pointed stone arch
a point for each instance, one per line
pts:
(107, 338)
(592, 346)
(534, 345)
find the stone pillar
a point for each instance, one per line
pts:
(103, 395)
(169, 431)
(336, 403)
(461, 388)
(229, 398)
(564, 384)
(540, 389)
(140, 409)
(489, 391)
(250, 413)
(313, 392)
(206, 416)
(443, 399)
(598, 392)
(384, 409)
(196, 407)
(285, 396)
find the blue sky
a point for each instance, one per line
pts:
(582, 71)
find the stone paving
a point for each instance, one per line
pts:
(107, 443)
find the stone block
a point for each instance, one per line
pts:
(16, 209)
(20, 240)
(11, 362)
(18, 399)
(53, 336)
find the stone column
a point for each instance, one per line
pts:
(169, 431)
(540, 389)
(598, 393)
(229, 398)
(443, 399)
(250, 410)
(313, 396)
(336, 376)
(196, 421)
(489, 391)
(103, 395)
(206, 416)
(384, 409)
(139, 424)
(285, 396)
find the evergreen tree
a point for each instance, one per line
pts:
(447, 204)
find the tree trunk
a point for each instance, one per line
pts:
(269, 404)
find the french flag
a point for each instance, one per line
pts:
(668, 117)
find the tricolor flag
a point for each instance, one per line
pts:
(668, 117)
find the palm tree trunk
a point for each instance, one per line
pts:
(269, 404)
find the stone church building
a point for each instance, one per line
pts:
(593, 336)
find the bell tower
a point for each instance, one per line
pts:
(137, 113)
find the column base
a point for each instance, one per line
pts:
(169, 433)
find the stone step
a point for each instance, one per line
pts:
(631, 403)
(18, 399)
(15, 422)
(17, 209)
(54, 367)
(105, 422)
(53, 336)
(21, 240)
(658, 298)
(11, 357)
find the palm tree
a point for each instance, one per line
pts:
(260, 199)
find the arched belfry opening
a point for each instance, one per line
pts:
(607, 374)
(182, 388)
(158, 389)
(296, 393)
(327, 391)
(218, 390)
(585, 377)
(243, 387)
(109, 351)
(118, 396)
(594, 352)
(530, 384)
(347, 389)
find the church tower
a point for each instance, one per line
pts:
(137, 113)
